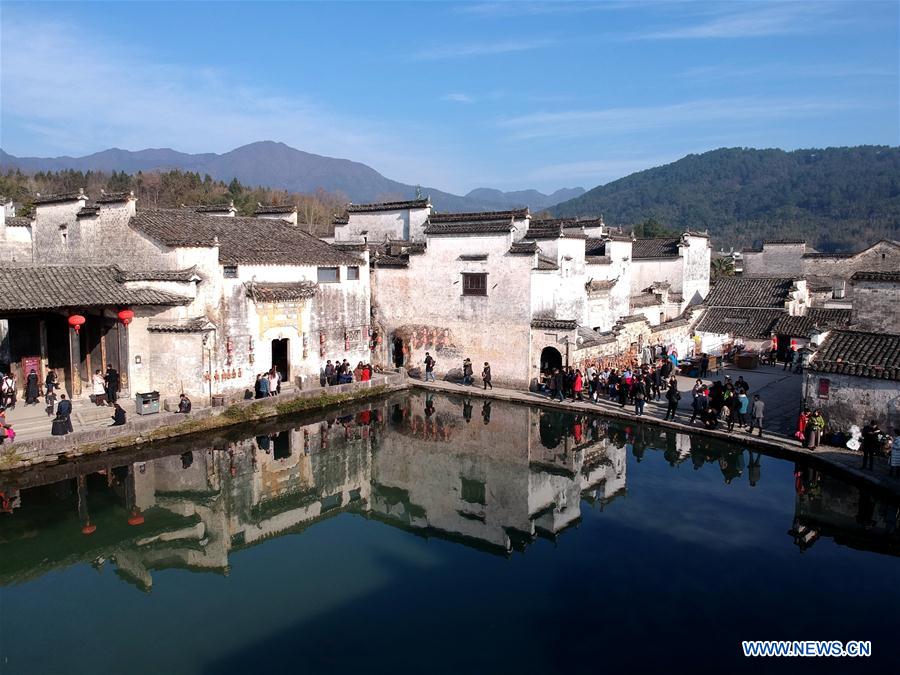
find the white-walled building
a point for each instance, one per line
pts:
(215, 299)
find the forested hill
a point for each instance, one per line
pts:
(838, 199)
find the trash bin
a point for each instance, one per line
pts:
(146, 403)
(218, 400)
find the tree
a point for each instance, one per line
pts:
(721, 267)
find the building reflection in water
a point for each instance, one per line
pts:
(423, 463)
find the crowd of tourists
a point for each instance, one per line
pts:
(341, 372)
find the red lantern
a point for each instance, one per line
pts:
(76, 321)
(88, 529)
(136, 518)
(125, 316)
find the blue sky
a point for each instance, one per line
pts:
(452, 95)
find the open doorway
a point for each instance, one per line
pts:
(398, 352)
(280, 360)
(550, 359)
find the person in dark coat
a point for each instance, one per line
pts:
(112, 385)
(118, 416)
(486, 376)
(64, 410)
(32, 388)
(871, 441)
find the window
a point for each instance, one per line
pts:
(352, 273)
(328, 275)
(474, 284)
(229, 271)
(824, 387)
(472, 491)
(839, 289)
(64, 233)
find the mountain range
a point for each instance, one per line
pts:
(279, 166)
(838, 199)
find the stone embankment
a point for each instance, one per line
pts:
(842, 461)
(146, 429)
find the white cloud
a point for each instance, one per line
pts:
(458, 98)
(751, 20)
(467, 50)
(612, 121)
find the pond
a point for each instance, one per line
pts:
(444, 535)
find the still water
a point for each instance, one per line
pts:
(440, 535)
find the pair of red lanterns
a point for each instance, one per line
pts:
(76, 321)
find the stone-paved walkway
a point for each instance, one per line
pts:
(780, 391)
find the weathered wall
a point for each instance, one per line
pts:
(876, 306)
(408, 224)
(853, 400)
(695, 270)
(775, 260)
(424, 306)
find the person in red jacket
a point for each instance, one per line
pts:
(577, 386)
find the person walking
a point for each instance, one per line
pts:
(732, 405)
(51, 384)
(802, 423)
(429, 367)
(757, 412)
(7, 391)
(468, 372)
(577, 386)
(871, 441)
(814, 429)
(789, 358)
(673, 397)
(743, 408)
(64, 412)
(704, 365)
(98, 388)
(111, 381)
(895, 454)
(640, 396)
(486, 376)
(699, 405)
(32, 388)
(559, 381)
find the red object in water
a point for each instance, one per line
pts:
(136, 519)
(125, 316)
(88, 529)
(76, 321)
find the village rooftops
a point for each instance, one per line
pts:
(523, 248)
(198, 324)
(645, 249)
(88, 211)
(114, 197)
(816, 318)
(476, 226)
(751, 292)
(36, 288)
(751, 324)
(554, 324)
(18, 221)
(241, 241)
(58, 198)
(553, 229)
(213, 208)
(810, 253)
(478, 217)
(881, 277)
(858, 353)
(389, 206)
(783, 242)
(545, 263)
(274, 209)
(184, 276)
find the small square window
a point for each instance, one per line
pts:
(328, 275)
(352, 273)
(472, 491)
(230, 271)
(474, 284)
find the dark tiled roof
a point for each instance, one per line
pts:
(816, 283)
(815, 318)
(598, 260)
(655, 248)
(523, 248)
(784, 241)
(595, 247)
(480, 216)
(390, 261)
(59, 198)
(645, 300)
(754, 324)
(750, 292)
(674, 323)
(273, 209)
(871, 355)
(114, 197)
(600, 285)
(589, 337)
(469, 227)
(545, 263)
(816, 254)
(632, 318)
(555, 228)
(18, 221)
(388, 206)
(885, 277)
(556, 324)
(340, 220)
(86, 211)
(28, 288)
(196, 325)
(281, 292)
(247, 241)
(213, 208)
(185, 275)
